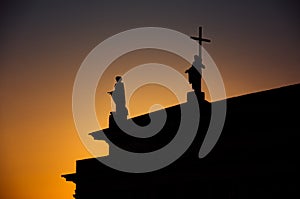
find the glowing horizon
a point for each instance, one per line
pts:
(254, 44)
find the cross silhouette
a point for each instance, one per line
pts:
(200, 39)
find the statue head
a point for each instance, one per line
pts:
(118, 78)
(196, 58)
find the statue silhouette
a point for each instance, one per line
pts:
(118, 96)
(195, 73)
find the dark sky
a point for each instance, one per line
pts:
(255, 44)
(253, 41)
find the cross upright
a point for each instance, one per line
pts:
(200, 39)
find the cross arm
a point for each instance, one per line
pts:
(206, 40)
(200, 39)
(195, 38)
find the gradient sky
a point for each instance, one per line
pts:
(254, 44)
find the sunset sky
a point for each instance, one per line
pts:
(255, 45)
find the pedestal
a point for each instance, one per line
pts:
(200, 96)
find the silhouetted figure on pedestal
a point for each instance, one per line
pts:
(118, 95)
(195, 74)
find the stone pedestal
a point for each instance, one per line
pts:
(200, 96)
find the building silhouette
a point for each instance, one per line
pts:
(255, 157)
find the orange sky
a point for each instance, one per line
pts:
(43, 45)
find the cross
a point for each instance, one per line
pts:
(200, 39)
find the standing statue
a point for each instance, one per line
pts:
(118, 96)
(195, 73)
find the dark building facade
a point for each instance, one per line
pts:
(256, 156)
